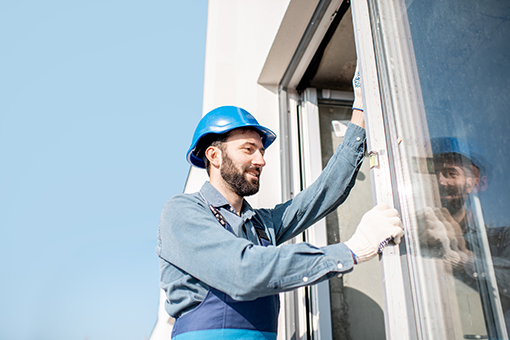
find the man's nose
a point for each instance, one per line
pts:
(441, 179)
(259, 159)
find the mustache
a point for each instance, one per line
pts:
(450, 191)
(257, 169)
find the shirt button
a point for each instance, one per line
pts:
(358, 139)
(305, 279)
(339, 266)
(340, 275)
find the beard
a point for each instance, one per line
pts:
(453, 198)
(236, 178)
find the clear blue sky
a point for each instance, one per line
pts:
(98, 102)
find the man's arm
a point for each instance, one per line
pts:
(323, 196)
(335, 182)
(191, 239)
(357, 106)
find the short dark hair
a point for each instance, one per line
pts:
(205, 142)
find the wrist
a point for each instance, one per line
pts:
(355, 258)
(358, 118)
(362, 250)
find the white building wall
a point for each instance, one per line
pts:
(239, 37)
(163, 328)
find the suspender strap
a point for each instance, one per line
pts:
(220, 218)
(261, 233)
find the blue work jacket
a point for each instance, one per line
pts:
(196, 252)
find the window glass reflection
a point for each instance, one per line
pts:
(462, 51)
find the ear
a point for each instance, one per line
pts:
(471, 183)
(213, 154)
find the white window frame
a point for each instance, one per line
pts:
(320, 304)
(396, 306)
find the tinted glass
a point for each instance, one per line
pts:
(462, 50)
(444, 68)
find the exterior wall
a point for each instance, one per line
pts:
(239, 37)
(164, 325)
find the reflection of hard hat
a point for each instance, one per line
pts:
(453, 145)
(222, 120)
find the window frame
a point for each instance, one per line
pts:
(384, 47)
(399, 323)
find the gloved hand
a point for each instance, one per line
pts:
(442, 235)
(433, 233)
(356, 85)
(378, 226)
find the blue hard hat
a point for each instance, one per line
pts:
(449, 145)
(222, 120)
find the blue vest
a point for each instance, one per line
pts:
(220, 317)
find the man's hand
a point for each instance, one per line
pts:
(443, 236)
(378, 226)
(357, 106)
(356, 86)
(434, 234)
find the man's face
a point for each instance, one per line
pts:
(455, 181)
(242, 161)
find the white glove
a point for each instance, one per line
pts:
(442, 235)
(378, 226)
(356, 85)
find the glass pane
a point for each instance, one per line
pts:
(357, 297)
(462, 50)
(453, 170)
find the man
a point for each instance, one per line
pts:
(223, 263)
(460, 171)
(453, 231)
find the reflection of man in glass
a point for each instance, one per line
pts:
(462, 172)
(456, 179)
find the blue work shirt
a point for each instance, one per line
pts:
(196, 252)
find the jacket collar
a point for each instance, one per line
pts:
(217, 200)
